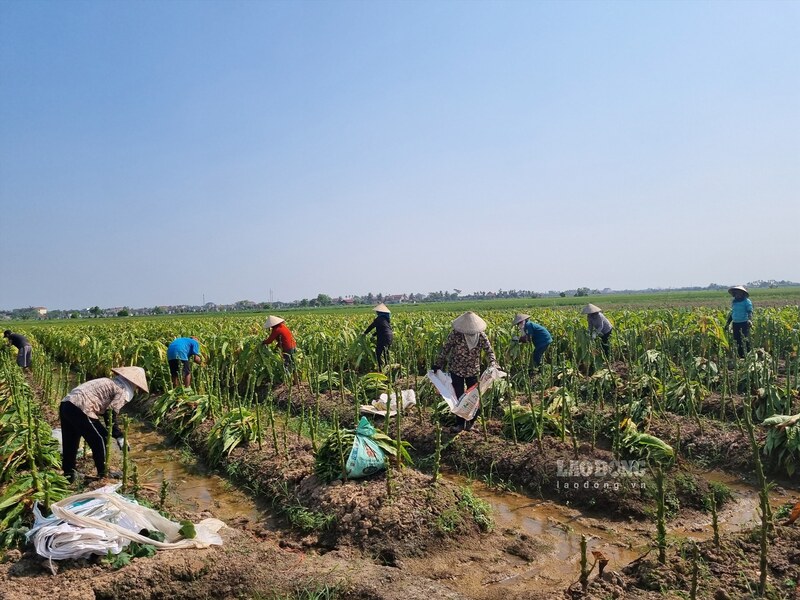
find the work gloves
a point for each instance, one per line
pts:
(435, 368)
(121, 443)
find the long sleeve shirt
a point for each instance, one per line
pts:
(18, 340)
(599, 324)
(538, 334)
(95, 397)
(462, 361)
(741, 310)
(284, 337)
(383, 329)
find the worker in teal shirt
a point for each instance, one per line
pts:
(741, 316)
(535, 334)
(179, 354)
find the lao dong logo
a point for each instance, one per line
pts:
(590, 474)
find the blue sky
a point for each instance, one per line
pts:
(158, 152)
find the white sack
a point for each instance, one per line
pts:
(467, 405)
(102, 520)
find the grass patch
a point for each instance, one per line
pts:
(308, 520)
(468, 507)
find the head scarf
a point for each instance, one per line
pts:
(129, 387)
(471, 339)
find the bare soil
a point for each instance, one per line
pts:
(396, 539)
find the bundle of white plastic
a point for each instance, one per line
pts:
(101, 521)
(379, 406)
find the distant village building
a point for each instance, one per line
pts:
(40, 310)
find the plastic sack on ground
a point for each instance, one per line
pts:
(467, 406)
(378, 407)
(100, 521)
(366, 457)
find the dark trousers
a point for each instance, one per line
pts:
(459, 386)
(382, 354)
(538, 352)
(605, 344)
(74, 426)
(288, 360)
(741, 333)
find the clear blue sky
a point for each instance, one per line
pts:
(153, 152)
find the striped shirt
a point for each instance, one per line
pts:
(95, 397)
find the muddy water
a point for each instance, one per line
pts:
(559, 529)
(743, 512)
(191, 485)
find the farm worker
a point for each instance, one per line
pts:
(80, 413)
(599, 325)
(383, 330)
(281, 334)
(180, 353)
(742, 317)
(462, 352)
(23, 348)
(534, 333)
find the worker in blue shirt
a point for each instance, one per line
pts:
(179, 354)
(535, 334)
(741, 316)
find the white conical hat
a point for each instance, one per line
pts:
(382, 308)
(520, 317)
(741, 288)
(590, 309)
(272, 321)
(135, 375)
(469, 322)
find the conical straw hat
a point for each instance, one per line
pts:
(741, 288)
(272, 321)
(469, 322)
(135, 375)
(590, 309)
(520, 317)
(382, 308)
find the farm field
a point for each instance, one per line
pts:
(655, 463)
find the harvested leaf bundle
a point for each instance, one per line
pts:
(527, 420)
(644, 445)
(782, 445)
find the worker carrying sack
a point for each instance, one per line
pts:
(366, 457)
(467, 405)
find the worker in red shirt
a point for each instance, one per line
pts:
(281, 334)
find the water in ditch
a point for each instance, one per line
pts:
(557, 528)
(191, 485)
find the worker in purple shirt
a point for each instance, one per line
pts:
(599, 326)
(23, 348)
